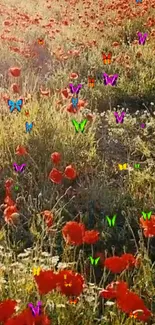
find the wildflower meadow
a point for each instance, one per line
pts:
(77, 162)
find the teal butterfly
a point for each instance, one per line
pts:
(94, 261)
(79, 126)
(111, 222)
(147, 215)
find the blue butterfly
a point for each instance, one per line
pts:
(28, 126)
(12, 105)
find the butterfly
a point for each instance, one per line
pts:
(111, 222)
(12, 105)
(91, 82)
(110, 79)
(142, 38)
(28, 126)
(73, 301)
(147, 215)
(19, 168)
(136, 165)
(75, 89)
(36, 271)
(119, 119)
(94, 261)
(80, 126)
(139, 1)
(106, 58)
(68, 284)
(121, 167)
(35, 310)
(74, 101)
(40, 41)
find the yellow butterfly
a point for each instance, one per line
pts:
(36, 271)
(121, 167)
(68, 284)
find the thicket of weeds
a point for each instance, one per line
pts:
(75, 33)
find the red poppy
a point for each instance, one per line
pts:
(114, 290)
(46, 281)
(74, 75)
(7, 308)
(15, 71)
(56, 157)
(65, 92)
(115, 264)
(55, 176)
(15, 88)
(91, 236)
(20, 151)
(10, 214)
(48, 217)
(130, 302)
(26, 318)
(73, 233)
(70, 283)
(148, 226)
(8, 183)
(70, 172)
(130, 260)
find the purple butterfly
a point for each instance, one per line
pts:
(119, 119)
(142, 38)
(110, 79)
(75, 89)
(19, 168)
(35, 310)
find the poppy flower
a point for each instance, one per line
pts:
(20, 151)
(115, 264)
(56, 157)
(26, 318)
(65, 93)
(148, 226)
(15, 88)
(7, 308)
(114, 290)
(73, 232)
(130, 260)
(115, 44)
(73, 75)
(8, 183)
(46, 281)
(15, 71)
(45, 92)
(91, 236)
(70, 283)
(10, 214)
(129, 302)
(55, 176)
(48, 217)
(70, 172)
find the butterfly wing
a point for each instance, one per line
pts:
(144, 215)
(125, 166)
(71, 88)
(91, 259)
(149, 215)
(76, 125)
(120, 166)
(11, 105)
(109, 221)
(96, 261)
(113, 220)
(19, 104)
(82, 125)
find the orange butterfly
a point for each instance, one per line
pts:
(91, 82)
(106, 58)
(73, 301)
(40, 41)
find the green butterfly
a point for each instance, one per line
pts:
(79, 126)
(136, 165)
(147, 215)
(94, 261)
(111, 222)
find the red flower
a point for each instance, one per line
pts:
(114, 290)
(70, 172)
(73, 232)
(130, 260)
(48, 217)
(148, 226)
(7, 308)
(15, 88)
(130, 302)
(55, 176)
(20, 151)
(10, 214)
(70, 283)
(8, 183)
(15, 71)
(46, 281)
(26, 318)
(74, 75)
(56, 157)
(91, 236)
(115, 264)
